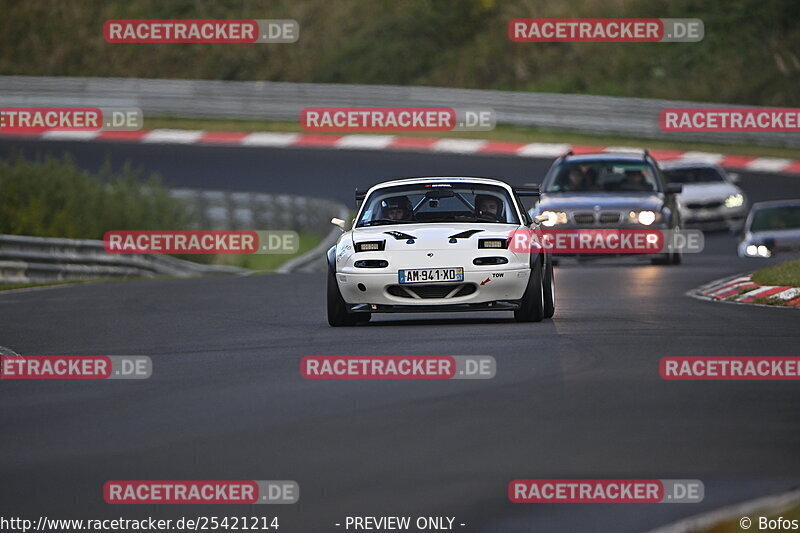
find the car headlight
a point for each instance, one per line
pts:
(492, 243)
(554, 217)
(734, 200)
(760, 250)
(645, 218)
(370, 246)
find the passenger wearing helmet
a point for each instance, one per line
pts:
(396, 208)
(488, 206)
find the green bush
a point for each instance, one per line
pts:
(54, 198)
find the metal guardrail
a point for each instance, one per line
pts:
(632, 117)
(25, 259)
(227, 210)
(314, 260)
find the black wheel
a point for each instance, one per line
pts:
(549, 285)
(532, 304)
(337, 309)
(671, 258)
(661, 259)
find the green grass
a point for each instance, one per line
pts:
(732, 526)
(500, 133)
(269, 262)
(784, 274)
(769, 301)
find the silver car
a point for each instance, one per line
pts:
(771, 228)
(710, 198)
(610, 190)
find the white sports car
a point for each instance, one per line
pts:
(710, 198)
(438, 244)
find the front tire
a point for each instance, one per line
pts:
(337, 308)
(532, 304)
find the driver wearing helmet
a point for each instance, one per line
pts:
(396, 208)
(488, 206)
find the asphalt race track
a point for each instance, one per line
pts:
(575, 397)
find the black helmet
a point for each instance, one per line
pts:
(396, 202)
(480, 198)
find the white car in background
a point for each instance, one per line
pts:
(710, 198)
(438, 244)
(771, 228)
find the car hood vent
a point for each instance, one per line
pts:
(466, 234)
(399, 235)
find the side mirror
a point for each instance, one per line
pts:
(735, 177)
(338, 222)
(674, 188)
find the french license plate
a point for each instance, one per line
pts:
(431, 275)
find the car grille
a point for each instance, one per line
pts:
(705, 205)
(606, 217)
(432, 290)
(609, 218)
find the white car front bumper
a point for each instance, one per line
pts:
(480, 286)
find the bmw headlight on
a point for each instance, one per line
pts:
(734, 200)
(645, 218)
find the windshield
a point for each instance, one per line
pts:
(776, 218)
(694, 175)
(438, 202)
(602, 176)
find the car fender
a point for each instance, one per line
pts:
(331, 258)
